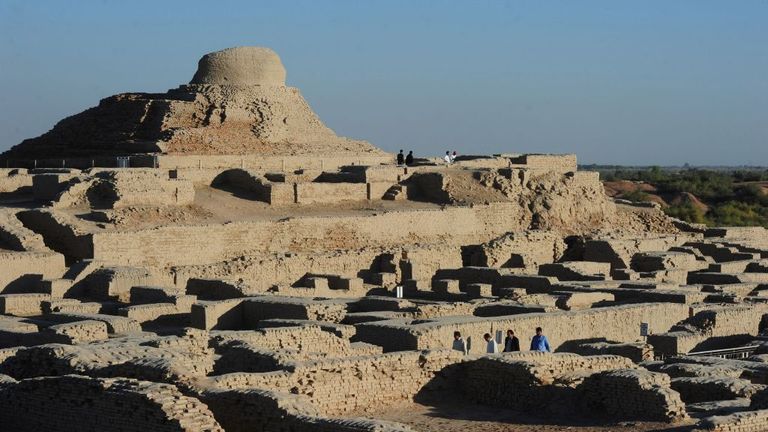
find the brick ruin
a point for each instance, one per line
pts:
(300, 281)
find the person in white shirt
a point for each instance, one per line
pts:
(447, 157)
(453, 156)
(458, 343)
(492, 347)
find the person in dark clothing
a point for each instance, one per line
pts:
(511, 343)
(409, 158)
(400, 158)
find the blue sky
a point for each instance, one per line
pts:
(627, 82)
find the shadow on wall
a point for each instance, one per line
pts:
(243, 184)
(22, 284)
(427, 187)
(59, 237)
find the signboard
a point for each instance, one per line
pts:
(643, 329)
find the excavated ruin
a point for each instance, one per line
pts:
(237, 103)
(263, 274)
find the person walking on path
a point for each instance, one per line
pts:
(492, 347)
(458, 343)
(400, 158)
(511, 342)
(447, 157)
(540, 342)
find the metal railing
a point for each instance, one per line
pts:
(727, 353)
(738, 353)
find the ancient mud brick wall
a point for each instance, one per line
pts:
(525, 380)
(632, 395)
(47, 186)
(310, 193)
(252, 410)
(15, 236)
(247, 312)
(161, 359)
(637, 351)
(559, 163)
(22, 271)
(525, 249)
(728, 321)
(271, 163)
(619, 252)
(79, 331)
(353, 384)
(711, 328)
(214, 243)
(128, 187)
(77, 403)
(704, 389)
(258, 273)
(61, 232)
(310, 338)
(22, 304)
(13, 179)
(256, 309)
(225, 314)
(747, 421)
(618, 324)
(153, 311)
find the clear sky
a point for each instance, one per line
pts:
(627, 82)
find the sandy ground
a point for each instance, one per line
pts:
(457, 416)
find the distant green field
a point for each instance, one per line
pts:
(714, 196)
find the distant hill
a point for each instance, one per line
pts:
(713, 196)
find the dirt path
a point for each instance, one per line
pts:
(467, 417)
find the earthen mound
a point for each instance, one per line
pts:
(236, 104)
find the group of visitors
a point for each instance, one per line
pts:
(539, 342)
(449, 157)
(405, 159)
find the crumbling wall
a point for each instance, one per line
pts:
(252, 410)
(526, 249)
(632, 395)
(14, 180)
(353, 384)
(15, 236)
(141, 187)
(619, 252)
(747, 421)
(308, 338)
(77, 403)
(60, 233)
(530, 381)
